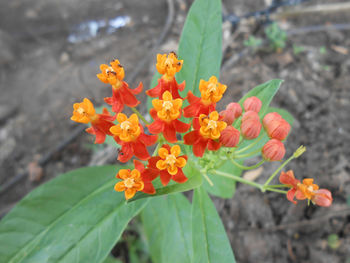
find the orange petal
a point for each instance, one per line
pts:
(129, 193)
(162, 152)
(119, 187)
(175, 150)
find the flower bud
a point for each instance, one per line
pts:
(236, 108)
(251, 126)
(252, 104)
(230, 137)
(273, 150)
(270, 117)
(323, 197)
(228, 116)
(250, 115)
(277, 129)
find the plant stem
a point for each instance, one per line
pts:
(247, 154)
(278, 169)
(276, 190)
(250, 145)
(140, 115)
(238, 179)
(243, 167)
(204, 173)
(278, 186)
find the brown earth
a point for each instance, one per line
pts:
(42, 74)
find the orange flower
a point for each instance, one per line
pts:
(168, 66)
(129, 134)
(165, 114)
(132, 182)
(169, 164)
(147, 176)
(206, 134)
(211, 92)
(121, 93)
(84, 112)
(305, 190)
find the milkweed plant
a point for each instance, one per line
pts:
(188, 145)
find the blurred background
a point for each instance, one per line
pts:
(50, 52)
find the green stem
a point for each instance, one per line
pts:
(140, 115)
(247, 154)
(278, 169)
(243, 167)
(238, 179)
(276, 190)
(250, 145)
(278, 186)
(204, 173)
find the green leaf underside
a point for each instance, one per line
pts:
(76, 217)
(194, 180)
(201, 44)
(167, 225)
(209, 239)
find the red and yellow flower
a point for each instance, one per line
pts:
(206, 135)
(130, 135)
(169, 164)
(211, 92)
(305, 190)
(130, 184)
(165, 114)
(167, 65)
(84, 112)
(147, 176)
(121, 93)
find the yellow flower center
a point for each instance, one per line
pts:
(210, 126)
(167, 109)
(109, 70)
(84, 112)
(128, 130)
(168, 65)
(170, 159)
(81, 110)
(211, 91)
(129, 182)
(310, 188)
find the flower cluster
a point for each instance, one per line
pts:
(305, 190)
(206, 130)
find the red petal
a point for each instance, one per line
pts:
(192, 98)
(165, 177)
(139, 166)
(137, 90)
(191, 137)
(181, 86)
(291, 194)
(196, 124)
(153, 161)
(140, 150)
(117, 102)
(153, 114)
(108, 100)
(128, 98)
(179, 177)
(90, 130)
(191, 110)
(148, 140)
(180, 126)
(156, 127)
(149, 174)
(213, 145)
(169, 133)
(154, 92)
(199, 147)
(125, 153)
(148, 188)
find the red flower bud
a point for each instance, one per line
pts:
(270, 117)
(232, 112)
(252, 104)
(277, 129)
(250, 126)
(323, 197)
(230, 137)
(273, 150)
(236, 108)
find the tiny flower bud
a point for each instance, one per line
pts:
(299, 151)
(273, 150)
(270, 117)
(323, 197)
(236, 108)
(250, 115)
(228, 116)
(277, 129)
(251, 126)
(230, 137)
(252, 104)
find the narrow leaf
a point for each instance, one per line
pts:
(210, 242)
(167, 225)
(76, 217)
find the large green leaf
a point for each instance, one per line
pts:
(201, 44)
(76, 217)
(167, 225)
(194, 180)
(210, 242)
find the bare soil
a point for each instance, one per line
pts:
(42, 74)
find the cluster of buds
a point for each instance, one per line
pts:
(207, 129)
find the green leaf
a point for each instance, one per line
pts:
(201, 44)
(194, 180)
(76, 217)
(167, 225)
(210, 242)
(223, 187)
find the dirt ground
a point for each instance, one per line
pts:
(49, 59)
